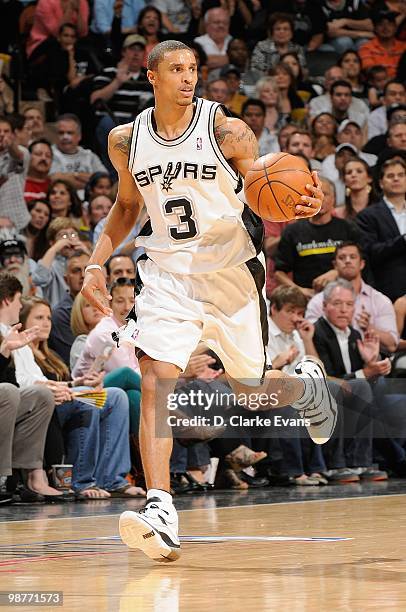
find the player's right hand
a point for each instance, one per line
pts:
(94, 282)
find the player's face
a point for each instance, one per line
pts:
(339, 309)
(175, 79)
(348, 263)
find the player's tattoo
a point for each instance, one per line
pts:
(246, 138)
(220, 133)
(123, 144)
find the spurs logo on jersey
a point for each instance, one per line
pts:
(190, 192)
(185, 170)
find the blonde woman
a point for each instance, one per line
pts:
(268, 92)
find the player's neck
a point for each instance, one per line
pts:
(170, 123)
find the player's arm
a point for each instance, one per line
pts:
(121, 218)
(239, 145)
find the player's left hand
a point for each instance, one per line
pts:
(310, 205)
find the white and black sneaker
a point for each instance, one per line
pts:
(154, 530)
(317, 405)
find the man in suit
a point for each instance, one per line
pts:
(383, 228)
(346, 356)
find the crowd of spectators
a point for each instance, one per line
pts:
(322, 79)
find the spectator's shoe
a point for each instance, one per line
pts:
(317, 406)
(154, 530)
(341, 476)
(371, 474)
(126, 334)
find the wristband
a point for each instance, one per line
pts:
(92, 267)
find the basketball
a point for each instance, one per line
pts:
(274, 185)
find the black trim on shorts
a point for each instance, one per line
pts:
(257, 271)
(254, 226)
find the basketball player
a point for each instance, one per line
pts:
(202, 279)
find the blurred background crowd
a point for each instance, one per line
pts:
(324, 79)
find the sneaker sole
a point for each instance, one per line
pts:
(333, 403)
(137, 533)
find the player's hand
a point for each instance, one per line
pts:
(94, 282)
(310, 205)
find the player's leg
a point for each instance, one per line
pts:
(154, 529)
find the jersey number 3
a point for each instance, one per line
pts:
(186, 227)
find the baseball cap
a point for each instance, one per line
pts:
(12, 247)
(230, 69)
(379, 16)
(346, 122)
(394, 107)
(346, 145)
(134, 39)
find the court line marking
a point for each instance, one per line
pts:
(299, 501)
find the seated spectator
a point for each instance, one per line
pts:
(340, 103)
(394, 93)
(383, 49)
(119, 266)
(359, 189)
(284, 133)
(61, 338)
(97, 209)
(122, 292)
(37, 180)
(307, 247)
(179, 17)
(14, 261)
(105, 12)
(25, 419)
(290, 338)
(304, 89)
(99, 183)
(71, 162)
(35, 232)
(372, 309)
(235, 98)
(333, 166)
(309, 21)
(63, 200)
(35, 123)
(253, 113)
(239, 56)
(14, 161)
(84, 319)
(267, 53)
(300, 143)
(346, 356)
(379, 143)
(395, 139)
(63, 237)
(348, 25)
(120, 92)
(99, 469)
(217, 90)
(350, 63)
(242, 15)
(20, 130)
(377, 77)
(217, 38)
(291, 106)
(383, 228)
(149, 26)
(268, 92)
(324, 132)
(51, 14)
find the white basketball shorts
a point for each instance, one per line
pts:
(226, 310)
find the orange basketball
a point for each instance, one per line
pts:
(274, 185)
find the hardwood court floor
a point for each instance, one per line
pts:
(97, 573)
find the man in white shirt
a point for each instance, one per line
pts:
(215, 41)
(340, 102)
(253, 113)
(394, 93)
(372, 311)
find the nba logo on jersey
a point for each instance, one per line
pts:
(199, 143)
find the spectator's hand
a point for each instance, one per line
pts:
(94, 290)
(307, 292)
(289, 355)
(363, 319)
(123, 73)
(321, 281)
(369, 348)
(61, 244)
(198, 364)
(310, 204)
(16, 339)
(378, 368)
(94, 379)
(60, 391)
(305, 329)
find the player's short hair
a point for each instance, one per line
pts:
(158, 52)
(348, 243)
(285, 294)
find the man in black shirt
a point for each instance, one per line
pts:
(307, 247)
(349, 25)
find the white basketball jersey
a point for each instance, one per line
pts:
(190, 192)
